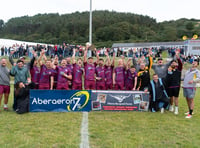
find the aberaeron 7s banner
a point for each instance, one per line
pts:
(60, 100)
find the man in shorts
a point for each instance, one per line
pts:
(174, 82)
(4, 82)
(189, 86)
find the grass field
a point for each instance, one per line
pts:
(106, 129)
(145, 129)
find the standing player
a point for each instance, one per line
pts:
(174, 82)
(70, 68)
(119, 75)
(63, 75)
(130, 77)
(34, 70)
(109, 72)
(189, 86)
(100, 74)
(54, 71)
(4, 82)
(46, 77)
(77, 73)
(89, 68)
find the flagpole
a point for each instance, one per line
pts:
(90, 23)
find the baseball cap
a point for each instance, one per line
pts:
(22, 57)
(18, 61)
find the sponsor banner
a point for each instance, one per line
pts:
(60, 100)
(120, 100)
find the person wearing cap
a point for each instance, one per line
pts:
(22, 58)
(192, 76)
(21, 74)
(161, 69)
(89, 68)
(174, 82)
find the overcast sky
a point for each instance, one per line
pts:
(160, 10)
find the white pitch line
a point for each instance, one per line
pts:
(84, 131)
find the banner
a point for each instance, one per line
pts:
(120, 100)
(60, 100)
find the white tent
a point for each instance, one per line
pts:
(10, 43)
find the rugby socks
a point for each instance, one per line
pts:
(190, 112)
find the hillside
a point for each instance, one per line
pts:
(108, 27)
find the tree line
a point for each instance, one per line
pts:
(108, 27)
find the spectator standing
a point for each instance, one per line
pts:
(4, 82)
(173, 80)
(189, 86)
(144, 75)
(2, 51)
(161, 69)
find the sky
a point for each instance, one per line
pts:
(161, 10)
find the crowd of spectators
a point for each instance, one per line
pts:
(66, 50)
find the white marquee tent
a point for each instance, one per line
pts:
(10, 43)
